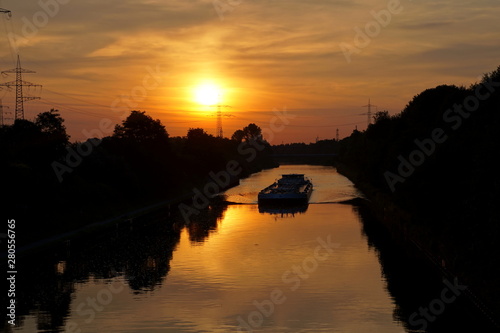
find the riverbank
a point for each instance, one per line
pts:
(60, 190)
(94, 229)
(419, 240)
(433, 182)
(125, 217)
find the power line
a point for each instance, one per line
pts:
(334, 125)
(77, 99)
(76, 110)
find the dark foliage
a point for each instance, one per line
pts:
(58, 186)
(454, 172)
(439, 154)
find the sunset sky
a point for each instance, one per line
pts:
(100, 59)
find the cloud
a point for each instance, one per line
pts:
(272, 53)
(421, 26)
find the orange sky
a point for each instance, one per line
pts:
(99, 59)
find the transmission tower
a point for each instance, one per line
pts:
(19, 84)
(369, 113)
(218, 128)
(3, 114)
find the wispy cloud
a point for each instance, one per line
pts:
(270, 53)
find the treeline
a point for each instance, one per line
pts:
(439, 152)
(326, 146)
(54, 185)
(437, 160)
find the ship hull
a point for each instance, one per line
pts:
(291, 189)
(285, 197)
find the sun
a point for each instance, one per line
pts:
(207, 94)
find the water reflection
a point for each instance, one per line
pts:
(417, 287)
(283, 210)
(202, 225)
(229, 257)
(46, 285)
(138, 257)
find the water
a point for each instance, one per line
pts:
(234, 269)
(329, 186)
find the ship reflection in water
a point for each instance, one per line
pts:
(283, 210)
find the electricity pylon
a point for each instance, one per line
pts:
(369, 113)
(19, 84)
(218, 127)
(3, 118)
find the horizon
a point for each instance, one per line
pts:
(321, 61)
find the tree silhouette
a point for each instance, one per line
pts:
(252, 131)
(51, 123)
(381, 116)
(25, 131)
(200, 143)
(238, 136)
(141, 128)
(53, 131)
(194, 135)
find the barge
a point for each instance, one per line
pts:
(291, 188)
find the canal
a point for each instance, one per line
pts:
(325, 267)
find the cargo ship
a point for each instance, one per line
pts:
(291, 188)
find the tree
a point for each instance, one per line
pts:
(196, 134)
(23, 133)
(51, 125)
(493, 76)
(381, 116)
(199, 142)
(238, 136)
(141, 128)
(252, 131)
